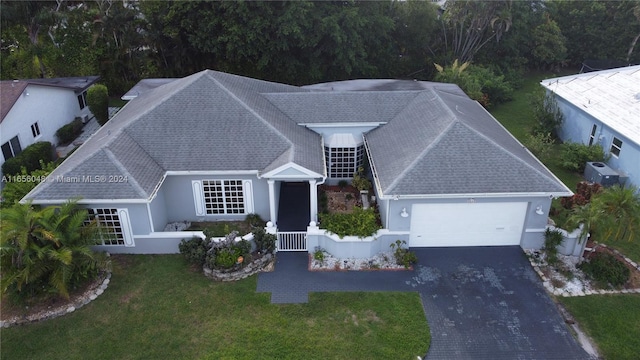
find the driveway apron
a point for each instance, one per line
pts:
(480, 302)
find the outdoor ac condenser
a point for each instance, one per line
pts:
(601, 173)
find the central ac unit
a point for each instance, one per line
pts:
(85, 119)
(601, 173)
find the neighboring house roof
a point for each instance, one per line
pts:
(611, 96)
(434, 139)
(10, 90)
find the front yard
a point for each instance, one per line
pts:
(613, 321)
(156, 307)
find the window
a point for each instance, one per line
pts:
(11, 148)
(35, 129)
(109, 221)
(343, 162)
(223, 197)
(82, 100)
(616, 146)
(592, 136)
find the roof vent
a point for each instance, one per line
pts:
(637, 96)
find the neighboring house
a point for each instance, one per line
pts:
(214, 146)
(34, 109)
(603, 107)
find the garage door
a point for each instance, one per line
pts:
(468, 224)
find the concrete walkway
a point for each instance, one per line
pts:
(481, 303)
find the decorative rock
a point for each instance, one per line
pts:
(71, 309)
(99, 292)
(106, 281)
(93, 297)
(252, 268)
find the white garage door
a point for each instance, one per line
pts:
(468, 224)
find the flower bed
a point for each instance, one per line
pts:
(326, 262)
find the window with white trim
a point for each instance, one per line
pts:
(223, 197)
(11, 148)
(35, 129)
(616, 146)
(111, 230)
(343, 162)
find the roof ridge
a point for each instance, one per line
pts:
(130, 179)
(428, 147)
(246, 106)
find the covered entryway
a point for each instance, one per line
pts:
(467, 224)
(293, 208)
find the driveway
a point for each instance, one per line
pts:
(480, 302)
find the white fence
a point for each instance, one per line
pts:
(292, 240)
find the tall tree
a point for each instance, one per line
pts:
(469, 25)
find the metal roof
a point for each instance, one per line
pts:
(611, 96)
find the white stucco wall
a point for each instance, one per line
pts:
(50, 107)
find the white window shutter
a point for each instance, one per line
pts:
(248, 196)
(198, 197)
(127, 232)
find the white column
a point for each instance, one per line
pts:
(313, 195)
(272, 200)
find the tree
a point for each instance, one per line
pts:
(98, 101)
(545, 110)
(548, 48)
(468, 25)
(14, 191)
(612, 214)
(47, 250)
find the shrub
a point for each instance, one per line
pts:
(546, 112)
(318, 255)
(98, 101)
(403, 255)
(541, 145)
(361, 223)
(69, 132)
(194, 250)
(265, 243)
(359, 181)
(16, 190)
(606, 269)
(30, 158)
(584, 192)
(254, 220)
(552, 239)
(225, 254)
(343, 184)
(575, 155)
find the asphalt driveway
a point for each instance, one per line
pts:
(480, 302)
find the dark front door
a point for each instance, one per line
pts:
(293, 209)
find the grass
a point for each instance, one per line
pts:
(612, 320)
(156, 307)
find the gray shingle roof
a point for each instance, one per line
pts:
(207, 121)
(434, 140)
(444, 143)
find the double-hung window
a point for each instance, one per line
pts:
(11, 148)
(616, 146)
(592, 136)
(35, 129)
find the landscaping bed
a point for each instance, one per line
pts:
(382, 261)
(338, 199)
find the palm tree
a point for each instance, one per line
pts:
(46, 249)
(613, 214)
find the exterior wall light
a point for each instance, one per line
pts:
(404, 213)
(539, 210)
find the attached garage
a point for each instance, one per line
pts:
(467, 224)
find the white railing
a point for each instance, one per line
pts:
(292, 240)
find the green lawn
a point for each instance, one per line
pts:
(157, 308)
(612, 320)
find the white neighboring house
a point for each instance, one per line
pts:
(34, 109)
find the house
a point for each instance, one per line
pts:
(215, 146)
(603, 107)
(34, 109)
